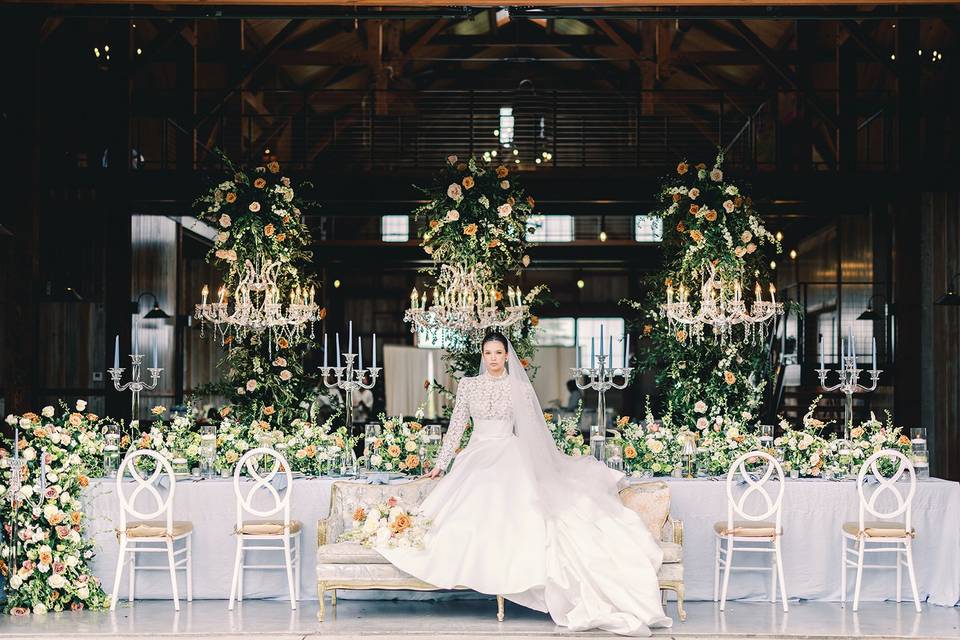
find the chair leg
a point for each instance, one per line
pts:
(189, 554)
(773, 574)
(132, 576)
(913, 577)
(680, 610)
(780, 577)
(321, 592)
(289, 567)
(121, 556)
(296, 565)
(726, 573)
(500, 608)
(899, 573)
(856, 589)
(333, 598)
(236, 573)
(716, 573)
(173, 575)
(243, 553)
(843, 572)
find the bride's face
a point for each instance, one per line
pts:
(494, 357)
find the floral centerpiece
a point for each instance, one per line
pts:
(179, 439)
(649, 447)
(403, 445)
(872, 436)
(386, 524)
(312, 448)
(566, 432)
(51, 571)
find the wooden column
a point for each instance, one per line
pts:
(19, 44)
(112, 193)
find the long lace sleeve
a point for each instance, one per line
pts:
(458, 423)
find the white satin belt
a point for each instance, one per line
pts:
(492, 429)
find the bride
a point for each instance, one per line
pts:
(518, 518)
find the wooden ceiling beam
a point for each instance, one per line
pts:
(869, 47)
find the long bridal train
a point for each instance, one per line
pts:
(515, 517)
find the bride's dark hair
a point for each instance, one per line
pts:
(495, 336)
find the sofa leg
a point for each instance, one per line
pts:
(333, 597)
(680, 610)
(500, 608)
(321, 592)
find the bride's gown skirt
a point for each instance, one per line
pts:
(491, 533)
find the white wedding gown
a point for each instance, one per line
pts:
(589, 562)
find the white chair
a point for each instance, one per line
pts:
(283, 530)
(752, 532)
(151, 536)
(886, 535)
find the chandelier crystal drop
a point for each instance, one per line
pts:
(257, 307)
(465, 304)
(722, 309)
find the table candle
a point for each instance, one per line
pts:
(116, 352)
(601, 341)
(350, 336)
(821, 352)
(853, 347)
(155, 360)
(593, 355)
(16, 443)
(337, 363)
(577, 347)
(626, 351)
(325, 357)
(874, 353)
(610, 349)
(374, 351)
(360, 349)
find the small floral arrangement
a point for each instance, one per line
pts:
(872, 436)
(566, 433)
(179, 439)
(52, 573)
(649, 447)
(404, 446)
(806, 450)
(386, 524)
(313, 447)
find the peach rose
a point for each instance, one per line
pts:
(504, 210)
(225, 221)
(470, 229)
(694, 193)
(254, 207)
(268, 230)
(283, 343)
(729, 377)
(359, 515)
(158, 410)
(269, 410)
(502, 172)
(453, 215)
(285, 375)
(231, 197)
(468, 182)
(682, 168)
(394, 451)
(710, 215)
(454, 191)
(259, 183)
(629, 452)
(681, 335)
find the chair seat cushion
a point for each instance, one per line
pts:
(672, 552)
(348, 553)
(672, 572)
(877, 529)
(157, 528)
(267, 527)
(747, 529)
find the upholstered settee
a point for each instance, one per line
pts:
(348, 565)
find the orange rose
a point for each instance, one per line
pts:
(677, 197)
(401, 524)
(903, 440)
(393, 451)
(322, 313)
(468, 182)
(76, 419)
(696, 236)
(694, 209)
(225, 411)
(282, 343)
(92, 417)
(681, 335)
(502, 172)
(647, 329)
(76, 516)
(231, 197)
(269, 411)
(682, 168)
(524, 363)
(681, 227)
(274, 167)
(32, 417)
(83, 481)
(286, 219)
(227, 340)
(259, 183)
(534, 321)
(498, 295)
(268, 230)
(629, 451)
(623, 421)
(311, 451)
(710, 215)
(470, 229)
(412, 461)
(359, 514)
(434, 224)
(729, 377)
(531, 201)
(493, 244)
(281, 237)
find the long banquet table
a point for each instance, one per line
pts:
(813, 513)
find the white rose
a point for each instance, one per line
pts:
(222, 237)
(388, 466)
(383, 536)
(29, 454)
(702, 423)
(453, 215)
(83, 592)
(40, 608)
(11, 419)
(57, 581)
(371, 523)
(81, 405)
(47, 412)
(376, 460)
(71, 561)
(504, 210)
(411, 446)
(26, 423)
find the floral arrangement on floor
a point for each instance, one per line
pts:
(403, 445)
(52, 572)
(566, 432)
(709, 222)
(259, 215)
(386, 524)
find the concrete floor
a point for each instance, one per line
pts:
(466, 619)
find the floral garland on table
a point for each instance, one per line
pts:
(708, 223)
(403, 445)
(53, 572)
(259, 215)
(566, 433)
(387, 524)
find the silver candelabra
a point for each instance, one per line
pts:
(849, 384)
(136, 385)
(350, 379)
(601, 379)
(35, 501)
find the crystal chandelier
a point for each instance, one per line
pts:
(464, 305)
(722, 308)
(257, 307)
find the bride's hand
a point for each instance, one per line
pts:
(435, 472)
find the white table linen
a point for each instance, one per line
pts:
(813, 513)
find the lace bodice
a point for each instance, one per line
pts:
(482, 398)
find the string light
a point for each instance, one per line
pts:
(139, 51)
(336, 284)
(893, 56)
(793, 254)
(580, 284)
(773, 264)
(778, 236)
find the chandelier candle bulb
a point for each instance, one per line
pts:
(773, 291)
(593, 356)
(413, 298)
(669, 294)
(601, 340)
(853, 346)
(203, 295)
(16, 443)
(757, 292)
